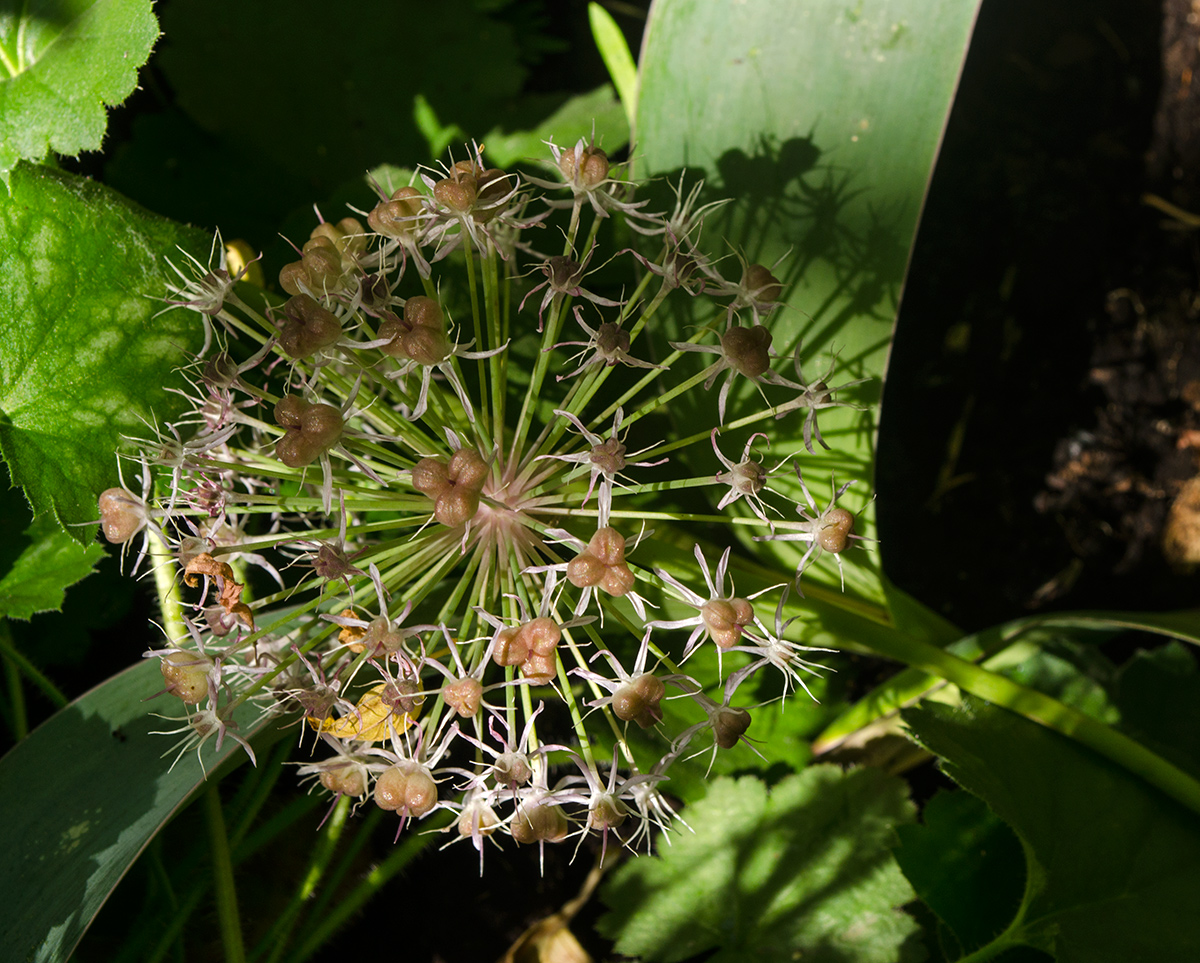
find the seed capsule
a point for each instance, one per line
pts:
(407, 788)
(186, 675)
(122, 515)
(835, 533)
(537, 822)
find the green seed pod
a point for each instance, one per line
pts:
(186, 675)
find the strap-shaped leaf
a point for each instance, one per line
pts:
(822, 120)
(80, 798)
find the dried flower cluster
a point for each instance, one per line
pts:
(404, 506)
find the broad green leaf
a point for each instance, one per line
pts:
(61, 62)
(1113, 864)
(85, 350)
(79, 799)
(802, 871)
(967, 866)
(1158, 694)
(822, 119)
(51, 563)
(597, 108)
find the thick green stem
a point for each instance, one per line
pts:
(222, 864)
(18, 660)
(400, 857)
(1044, 710)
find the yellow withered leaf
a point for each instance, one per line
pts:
(368, 722)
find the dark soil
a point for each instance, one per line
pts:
(1042, 398)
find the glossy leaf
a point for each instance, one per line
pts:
(800, 871)
(1113, 865)
(80, 798)
(85, 348)
(51, 563)
(61, 62)
(822, 120)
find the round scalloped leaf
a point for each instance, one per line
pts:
(61, 62)
(800, 871)
(85, 348)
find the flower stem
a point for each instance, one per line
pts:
(222, 864)
(1042, 709)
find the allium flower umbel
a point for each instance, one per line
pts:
(466, 520)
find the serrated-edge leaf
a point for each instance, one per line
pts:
(86, 348)
(40, 576)
(80, 798)
(61, 80)
(802, 870)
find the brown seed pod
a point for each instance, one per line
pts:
(477, 820)
(468, 469)
(407, 788)
(535, 822)
(464, 696)
(608, 813)
(608, 545)
(618, 580)
(639, 700)
(456, 506)
(585, 570)
(759, 280)
(122, 515)
(381, 636)
(403, 696)
(289, 411)
(729, 725)
(424, 312)
(399, 216)
(457, 193)
(512, 769)
(511, 648)
(307, 327)
(726, 619)
(346, 779)
(295, 451)
(425, 345)
(748, 350)
(430, 477)
(835, 533)
(322, 425)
